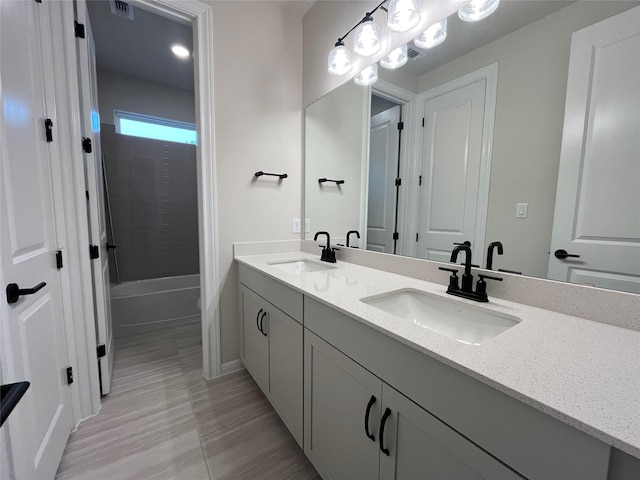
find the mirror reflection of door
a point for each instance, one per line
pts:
(597, 215)
(384, 151)
(456, 137)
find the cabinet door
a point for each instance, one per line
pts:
(420, 446)
(285, 369)
(337, 392)
(255, 346)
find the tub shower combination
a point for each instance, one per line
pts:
(149, 305)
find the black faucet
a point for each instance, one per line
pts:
(328, 253)
(492, 246)
(466, 290)
(349, 234)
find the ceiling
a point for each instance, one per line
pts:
(464, 37)
(141, 48)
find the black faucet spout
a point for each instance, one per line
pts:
(492, 246)
(349, 233)
(328, 253)
(315, 237)
(467, 278)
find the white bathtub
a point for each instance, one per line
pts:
(150, 305)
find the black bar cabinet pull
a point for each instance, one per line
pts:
(262, 320)
(14, 291)
(279, 175)
(337, 182)
(372, 400)
(258, 319)
(562, 254)
(383, 422)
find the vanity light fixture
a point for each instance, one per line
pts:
(403, 15)
(477, 10)
(180, 51)
(368, 76)
(368, 37)
(340, 59)
(432, 36)
(396, 58)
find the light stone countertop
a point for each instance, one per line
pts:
(583, 373)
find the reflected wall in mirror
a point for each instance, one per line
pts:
(586, 179)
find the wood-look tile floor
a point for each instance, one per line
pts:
(163, 420)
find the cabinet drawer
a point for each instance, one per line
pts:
(531, 442)
(287, 299)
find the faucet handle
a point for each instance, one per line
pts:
(481, 285)
(466, 242)
(453, 279)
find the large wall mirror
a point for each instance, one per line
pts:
(465, 143)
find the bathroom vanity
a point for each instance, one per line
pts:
(370, 386)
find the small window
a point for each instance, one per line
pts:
(145, 126)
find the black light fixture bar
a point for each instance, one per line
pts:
(366, 18)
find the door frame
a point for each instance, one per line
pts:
(80, 326)
(490, 75)
(407, 100)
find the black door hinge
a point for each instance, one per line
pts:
(400, 125)
(94, 252)
(420, 180)
(398, 182)
(86, 192)
(396, 235)
(59, 259)
(38, 1)
(69, 375)
(78, 29)
(48, 129)
(86, 145)
(423, 122)
(102, 350)
(416, 237)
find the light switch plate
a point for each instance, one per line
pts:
(295, 225)
(522, 209)
(307, 225)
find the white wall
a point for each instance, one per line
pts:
(258, 111)
(533, 66)
(121, 92)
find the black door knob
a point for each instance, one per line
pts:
(14, 291)
(562, 254)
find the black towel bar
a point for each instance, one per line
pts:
(279, 175)
(337, 182)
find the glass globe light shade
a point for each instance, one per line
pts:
(432, 36)
(477, 10)
(395, 59)
(368, 76)
(403, 15)
(367, 38)
(340, 60)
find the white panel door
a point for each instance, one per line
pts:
(95, 186)
(32, 341)
(597, 214)
(451, 165)
(384, 142)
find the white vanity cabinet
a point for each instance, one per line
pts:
(272, 343)
(357, 426)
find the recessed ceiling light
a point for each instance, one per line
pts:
(180, 51)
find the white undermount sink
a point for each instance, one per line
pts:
(464, 323)
(301, 266)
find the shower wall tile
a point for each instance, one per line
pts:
(153, 197)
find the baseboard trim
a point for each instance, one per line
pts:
(230, 367)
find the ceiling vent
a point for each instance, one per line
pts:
(121, 9)
(414, 54)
